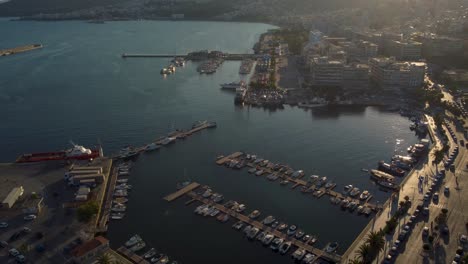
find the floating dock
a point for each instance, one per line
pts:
(241, 217)
(298, 182)
(173, 196)
(21, 49)
(132, 256)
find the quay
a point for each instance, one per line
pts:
(241, 217)
(132, 256)
(178, 134)
(229, 56)
(312, 188)
(106, 204)
(6, 52)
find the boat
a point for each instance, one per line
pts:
(238, 225)
(306, 238)
(261, 236)
(352, 206)
(354, 192)
(259, 173)
(321, 182)
(367, 211)
(163, 260)
(254, 214)
(117, 216)
(223, 218)
(291, 230)
(118, 209)
(405, 159)
(275, 245)
(268, 239)
(152, 146)
(122, 180)
(251, 170)
(313, 240)
(360, 209)
(297, 174)
(391, 169)
(282, 226)
(133, 241)
(241, 208)
(347, 189)
(231, 85)
(217, 198)
(311, 105)
(299, 234)
(284, 182)
(313, 178)
(275, 224)
(150, 253)
(329, 185)
(308, 258)
(364, 195)
(284, 248)
(77, 152)
(253, 233)
(247, 229)
(268, 220)
(167, 140)
(157, 257)
(381, 176)
(331, 247)
(344, 204)
(214, 213)
(120, 200)
(207, 193)
(388, 185)
(181, 185)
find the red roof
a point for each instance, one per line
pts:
(88, 246)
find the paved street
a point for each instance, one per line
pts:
(410, 187)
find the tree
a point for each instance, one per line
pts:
(104, 259)
(364, 252)
(355, 261)
(87, 211)
(438, 156)
(376, 242)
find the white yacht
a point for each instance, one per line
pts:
(133, 240)
(152, 146)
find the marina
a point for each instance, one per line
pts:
(289, 238)
(314, 185)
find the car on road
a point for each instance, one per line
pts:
(30, 217)
(3, 244)
(446, 190)
(426, 210)
(435, 197)
(13, 252)
(425, 231)
(20, 259)
(3, 224)
(463, 239)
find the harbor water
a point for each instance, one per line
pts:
(79, 88)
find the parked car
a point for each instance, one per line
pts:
(435, 197)
(30, 217)
(20, 259)
(425, 231)
(3, 244)
(3, 224)
(446, 190)
(13, 252)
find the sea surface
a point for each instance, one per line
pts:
(79, 88)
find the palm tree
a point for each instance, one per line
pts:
(104, 259)
(364, 253)
(376, 242)
(355, 261)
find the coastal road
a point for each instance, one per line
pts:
(410, 187)
(456, 201)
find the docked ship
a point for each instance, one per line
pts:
(77, 152)
(381, 176)
(232, 85)
(391, 169)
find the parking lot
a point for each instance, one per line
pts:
(55, 231)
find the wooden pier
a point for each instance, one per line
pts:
(132, 256)
(241, 217)
(173, 196)
(6, 52)
(298, 182)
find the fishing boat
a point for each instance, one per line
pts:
(364, 195)
(133, 241)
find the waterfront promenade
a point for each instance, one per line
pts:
(409, 187)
